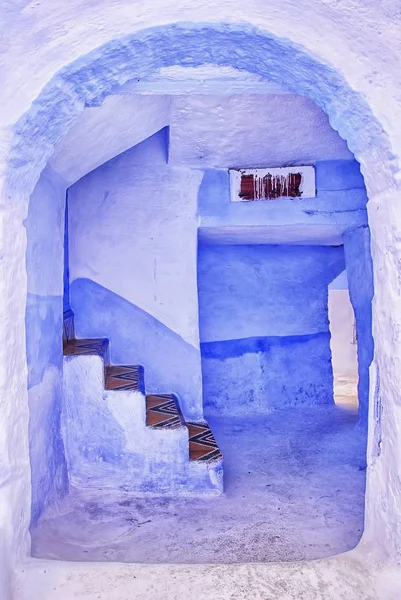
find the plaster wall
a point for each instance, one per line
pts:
(356, 32)
(264, 326)
(343, 342)
(44, 258)
(206, 130)
(66, 272)
(122, 121)
(339, 206)
(360, 277)
(252, 131)
(133, 246)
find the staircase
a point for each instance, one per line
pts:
(118, 437)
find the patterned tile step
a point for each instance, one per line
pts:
(77, 347)
(202, 445)
(127, 377)
(162, 410)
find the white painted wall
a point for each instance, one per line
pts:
(251, 131)
(204, 79)
(44, 256)
(343, 344)
(108, 444)
(133, 230)
(133, 267)
(206, 129)
(121, 122)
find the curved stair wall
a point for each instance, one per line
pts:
(136, 337)
(133, 234)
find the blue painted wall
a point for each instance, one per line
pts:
(171, 364)
(330, 176)
(44, 257)
(264, 326)
(360, 279)
(340, 282)
(66, 277)
(133, 266)
(132, 257)
(244, 330)
(339, 206)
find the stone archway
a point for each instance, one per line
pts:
(86, 83)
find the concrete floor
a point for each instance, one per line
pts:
(294, 482)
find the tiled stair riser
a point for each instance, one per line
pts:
(109, 445)
(128, 378)
(97, 348)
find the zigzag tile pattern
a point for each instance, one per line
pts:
(78, 347)
(127, 377)
(202, 445)
(162, 410)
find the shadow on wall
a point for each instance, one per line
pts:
(44, 357)
(171, 364)
(44, 350)
(361, 288)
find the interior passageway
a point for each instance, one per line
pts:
(343, 344)
(221, 304)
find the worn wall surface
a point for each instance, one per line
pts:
(360, 277)
(133, 244)
(109, 446)
(122, 121)
(252, 131)
(242, 293)
(264, 326)
(339, 205)
(44, 256)
(132, 247)
(206, 130)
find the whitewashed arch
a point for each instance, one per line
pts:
(86, 82)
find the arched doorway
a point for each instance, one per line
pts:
(72, 89)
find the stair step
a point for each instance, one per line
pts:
(125, 377)
(202, 445)
(98, 347)
(163, 411)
